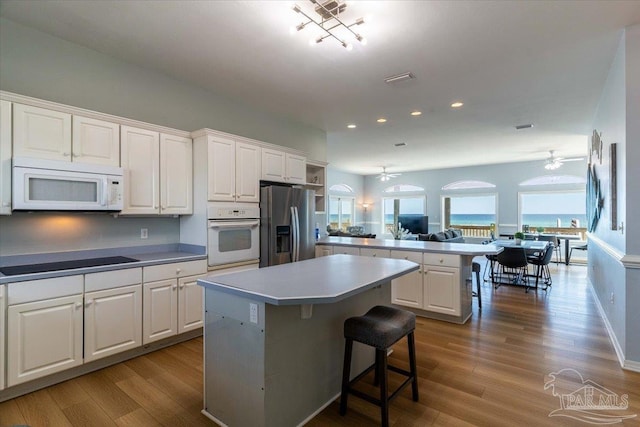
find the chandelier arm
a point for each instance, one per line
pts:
(328, 30)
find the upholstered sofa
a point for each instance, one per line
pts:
(452, 235)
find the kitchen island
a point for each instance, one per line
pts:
(440, 289)
(273, 337)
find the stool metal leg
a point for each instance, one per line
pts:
(346, 371)
(412, 366)
(376, 376)
(384, 394)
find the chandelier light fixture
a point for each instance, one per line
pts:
(329, 21)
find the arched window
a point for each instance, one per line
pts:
(341, 188)
(403, 188)
(469, 184)
(553, 179)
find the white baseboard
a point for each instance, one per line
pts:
(612, 335)
(631, 365)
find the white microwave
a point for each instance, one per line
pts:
(40, 184)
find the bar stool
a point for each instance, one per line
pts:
(380, 327)
(475, 268)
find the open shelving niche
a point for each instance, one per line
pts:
(316, 180)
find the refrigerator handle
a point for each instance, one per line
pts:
(296, 234)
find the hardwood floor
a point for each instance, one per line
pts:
(489, 372)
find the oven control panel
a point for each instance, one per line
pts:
(233, 210)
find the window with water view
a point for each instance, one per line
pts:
(553, 211)
(474, 215)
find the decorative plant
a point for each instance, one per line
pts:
(399, 232)
(540, 229)
(518, 235)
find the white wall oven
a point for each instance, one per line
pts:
(233, 233)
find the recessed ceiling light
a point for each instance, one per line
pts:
(351, 126)
(526, 126)
(457, 104)
(381, 120)
(416, 113)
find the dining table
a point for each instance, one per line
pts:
(566, 237)
(530, 247)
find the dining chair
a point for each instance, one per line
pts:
(580, 248)
(513, 263)
(556, 243)
(541, 262)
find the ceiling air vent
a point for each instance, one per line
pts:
(399, 77)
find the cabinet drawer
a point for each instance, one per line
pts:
(376, 253)
(442, 259)
(37, 290)
(348, 250)
(112, 279)
(408, 255)
(173, 270)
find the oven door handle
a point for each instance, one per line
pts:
(233, 224)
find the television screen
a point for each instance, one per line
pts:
(415, 223)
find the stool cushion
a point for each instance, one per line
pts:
(381, 327)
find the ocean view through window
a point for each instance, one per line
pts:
(475, 215)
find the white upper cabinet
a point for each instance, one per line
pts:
(95, 141)
(233, 170)
(41, 133)
(158, 172)
(48, 134)
(140, 158)
(283, 167)
(176, 175)
(5, 158)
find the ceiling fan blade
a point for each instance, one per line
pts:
(572, 159)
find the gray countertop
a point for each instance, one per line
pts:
(321, 280)
(413, 245)
(146, 256)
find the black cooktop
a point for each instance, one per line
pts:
(64, 265)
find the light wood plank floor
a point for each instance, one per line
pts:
(489, 372)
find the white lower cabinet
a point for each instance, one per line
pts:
(323, 250)
(190, 304)
(163, 287)
(408, 290)
(3, 303)
(112, 312)
(434, 287)
(44, 334)
(346, 250)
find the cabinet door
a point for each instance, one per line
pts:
(190, 304)
(43, 337)
(41, 133)
(5, 158)
(176, 175)
(273, 165)
(221, 169)
(95, 141)
(159, 310)
(112, 321)
(408, 290)
(140, 158)
(247, 172)
(376, 253)
(3, 302)
(296, 169)
(442, 289)
(324, 251)
(347, 250)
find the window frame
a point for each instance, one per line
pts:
(469, 194)
(521, 193)
(333, 198)
(400, 196)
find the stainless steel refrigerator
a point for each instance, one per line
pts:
(287, 230)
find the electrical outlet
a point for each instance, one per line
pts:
(253, 313)
(611, 298)
(144, 233)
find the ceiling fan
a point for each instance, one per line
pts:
(554, 162)
(386, 176)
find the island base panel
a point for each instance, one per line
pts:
(280, 371)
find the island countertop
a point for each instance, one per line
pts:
(321, 280)
(413, 245)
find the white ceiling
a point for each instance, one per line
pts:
(510, 62)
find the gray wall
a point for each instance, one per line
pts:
(35, 64)
(617, 119)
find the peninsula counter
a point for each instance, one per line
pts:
(273, 337)
(440, 289)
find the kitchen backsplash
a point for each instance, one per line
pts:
(42, 232)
